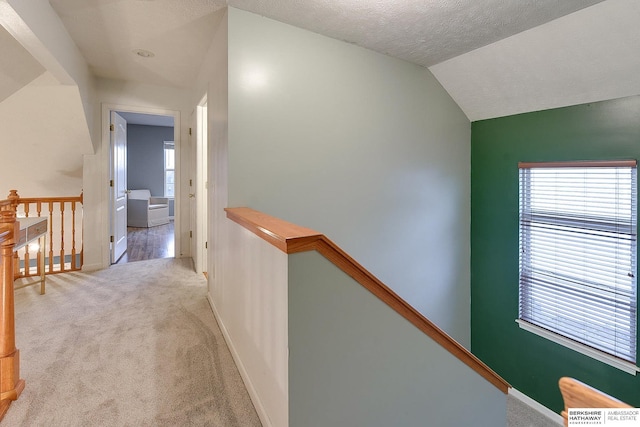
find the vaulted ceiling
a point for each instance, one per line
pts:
(495, 57)
(424, 32)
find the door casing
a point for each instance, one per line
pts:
(106, 172)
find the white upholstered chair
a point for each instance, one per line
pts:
(146, 211)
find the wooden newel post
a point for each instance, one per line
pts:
(10, 383)
(14, 199)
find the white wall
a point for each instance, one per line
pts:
(93, 208)
(247, 277)
(250, 303)
(45, 123)
(365, 148)
(212, 81)
(41, 32)
(218, 158)
(43, 131)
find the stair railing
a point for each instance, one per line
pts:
(11, 385)
(579, 395)
(64, 251)
(291, 238)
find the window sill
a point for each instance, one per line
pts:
(601, 356)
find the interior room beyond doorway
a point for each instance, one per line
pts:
(144, 243)
(150, 166)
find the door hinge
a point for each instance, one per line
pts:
(111, 239)
(110, 183)
(190, 183)
(190, 233)
(206, 245)
(112, 127)
(189, 131)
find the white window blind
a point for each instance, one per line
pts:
(578, 252)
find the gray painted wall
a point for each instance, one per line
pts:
(353, 361)
(365, 148)
(145, 158)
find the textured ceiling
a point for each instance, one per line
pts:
(178, 32)
(425, 32)
(587, 56)
(494, 57)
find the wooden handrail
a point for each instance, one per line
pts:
(291, 238)
(11, 385)
(579, 395)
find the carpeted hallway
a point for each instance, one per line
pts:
(133, 345)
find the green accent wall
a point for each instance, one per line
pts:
(532, 364)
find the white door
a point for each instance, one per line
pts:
(193, 218)
(119, 187)
(202, 185)
(198, 188)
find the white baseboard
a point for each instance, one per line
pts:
(253, 394)
(536, 406)
(92, 267)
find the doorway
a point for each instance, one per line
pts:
(145, 167)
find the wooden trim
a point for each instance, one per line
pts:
(579, 395)
(287, 237)
(51, 205)
(10, 383)
(580, 164)
(291, 238)
(29, 200)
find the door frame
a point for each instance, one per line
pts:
(106, 173)
(199, 172)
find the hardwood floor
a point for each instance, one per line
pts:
(149, 243)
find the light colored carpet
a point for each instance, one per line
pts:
(133, 345)
(521, 415)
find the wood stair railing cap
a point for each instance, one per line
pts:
(287, 237)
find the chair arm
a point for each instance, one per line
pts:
(137, 213)
(159, 200)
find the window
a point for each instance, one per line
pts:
(169, 169)
(578, 256)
